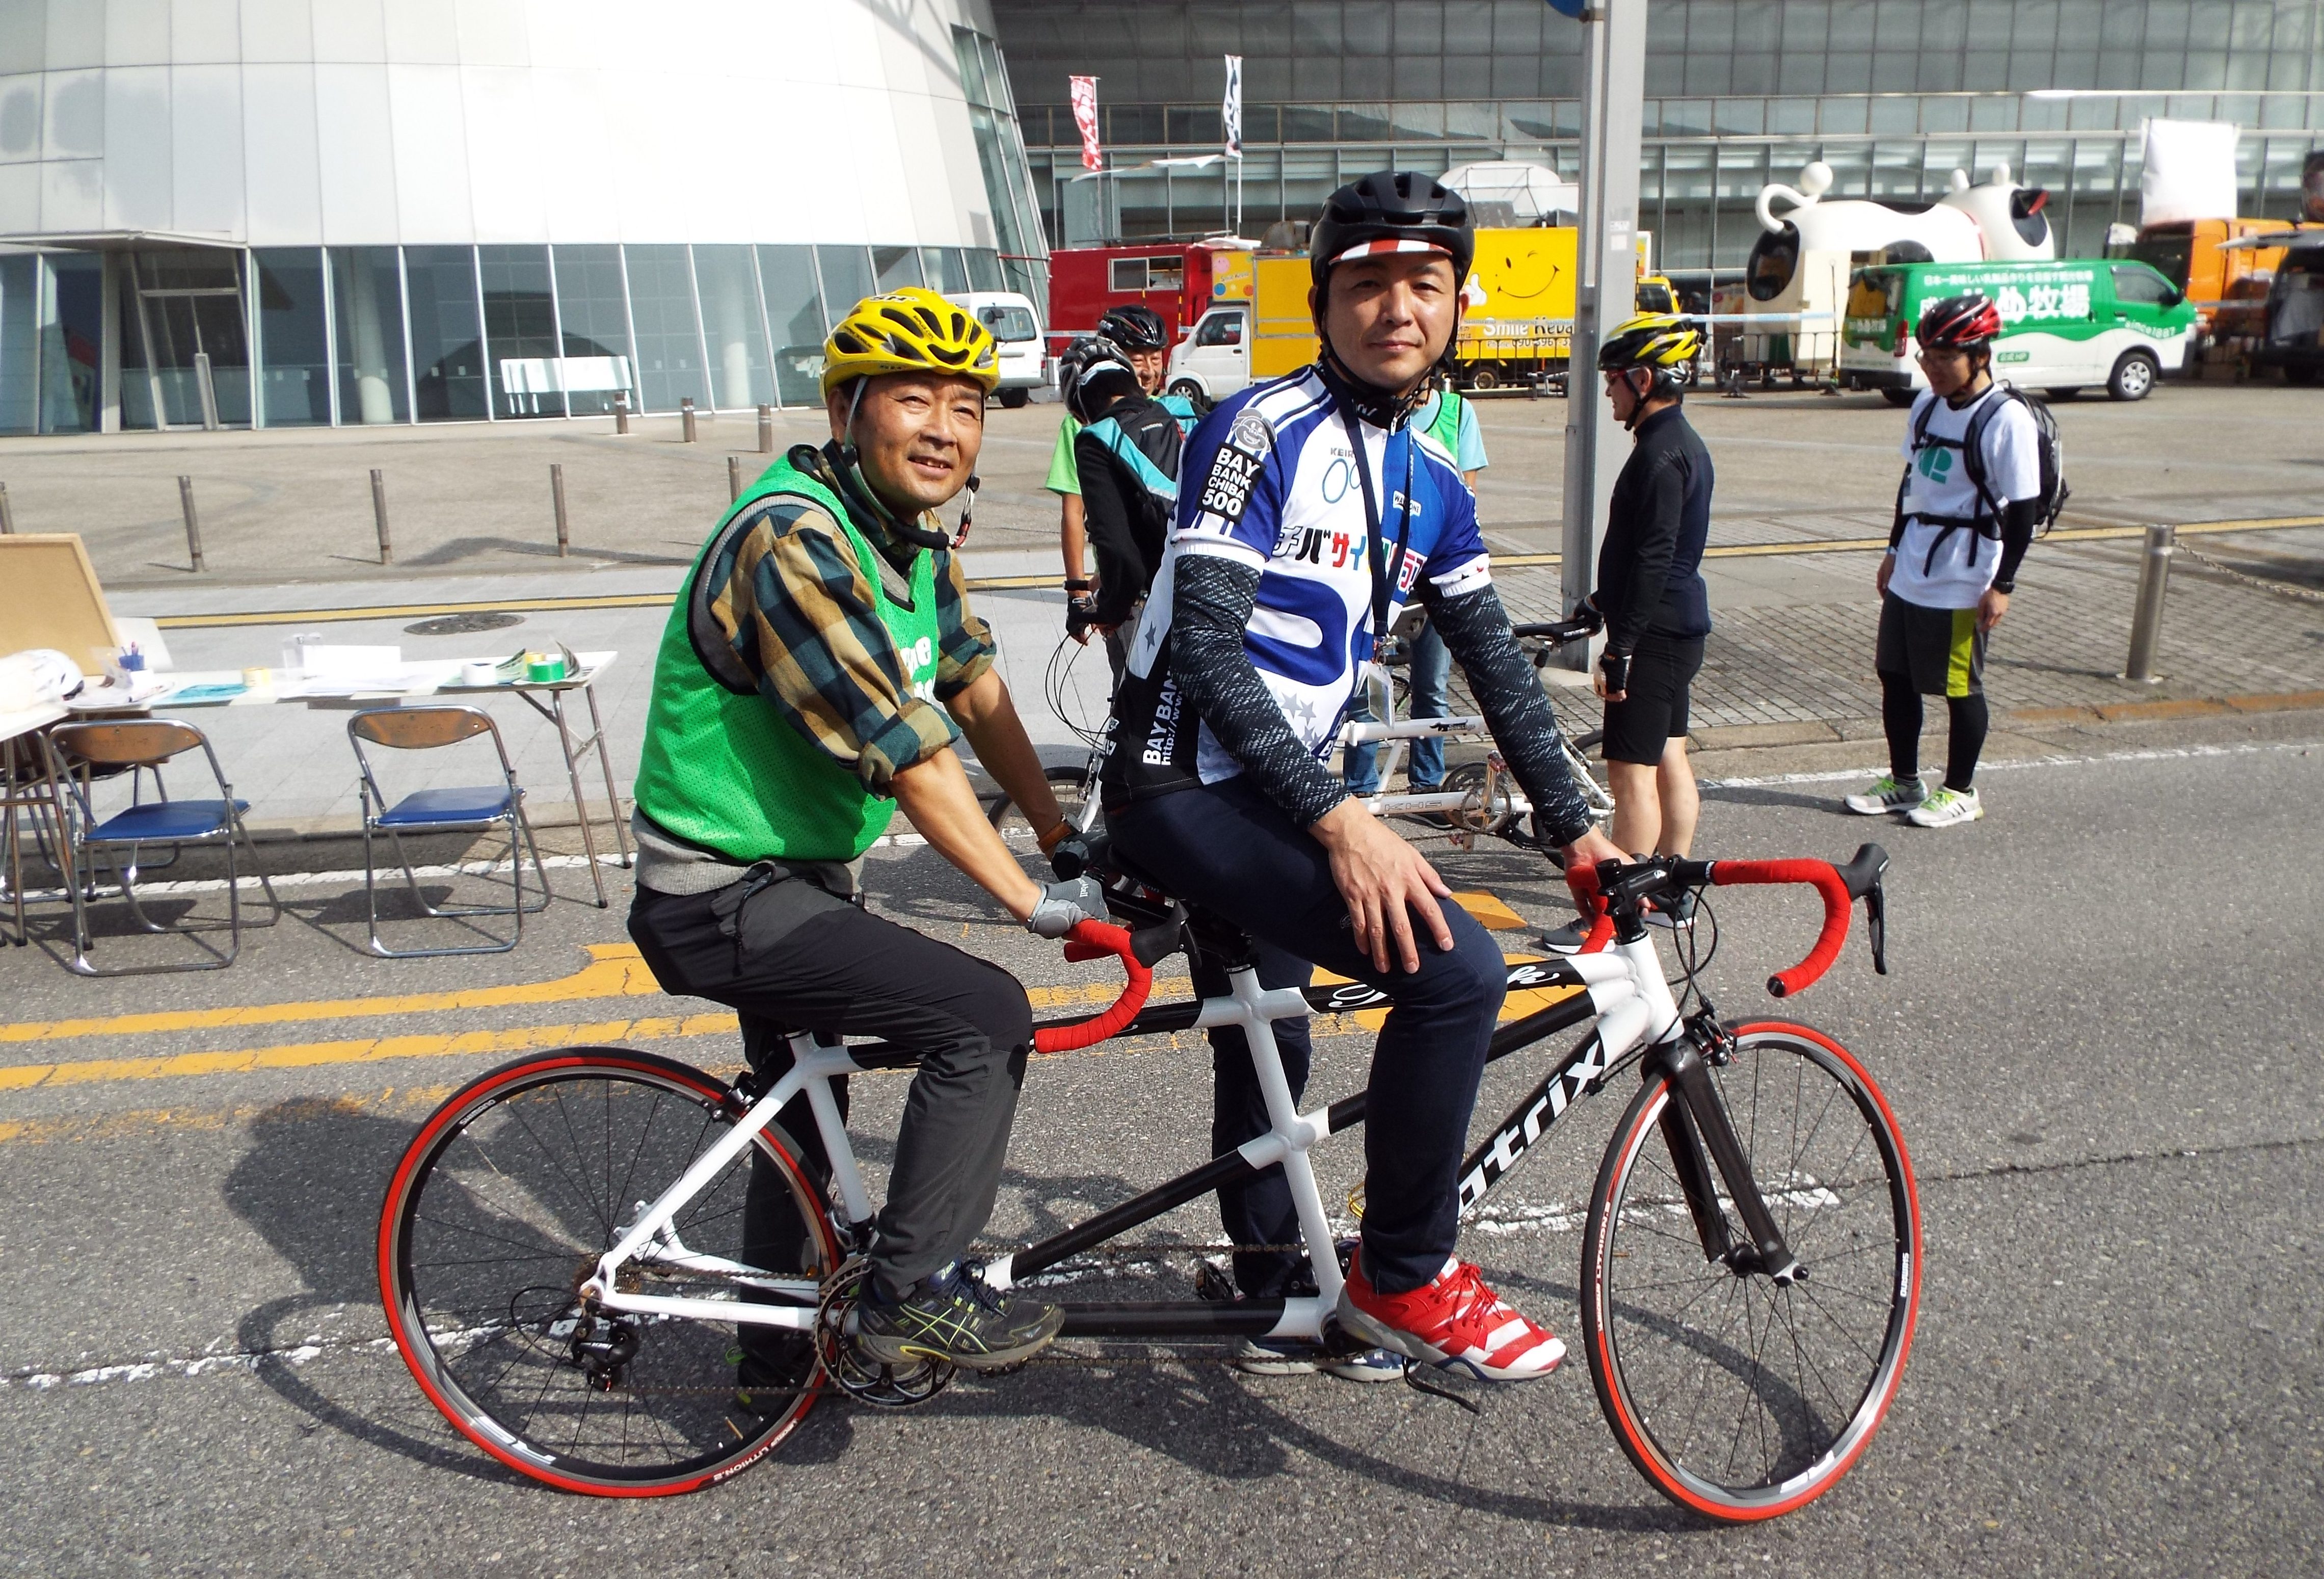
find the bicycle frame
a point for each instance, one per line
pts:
(1623, 989)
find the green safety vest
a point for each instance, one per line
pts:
(722, 768)
(1445, 428)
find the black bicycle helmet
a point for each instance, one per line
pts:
(1092, 374)
(1392, 211)
(1135, 327)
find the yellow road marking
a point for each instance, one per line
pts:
(409, 611)
(1491, 913)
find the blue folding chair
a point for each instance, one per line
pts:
(441, 811)
(83, 753)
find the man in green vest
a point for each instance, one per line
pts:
(818, 665)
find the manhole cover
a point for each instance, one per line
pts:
(463, 624)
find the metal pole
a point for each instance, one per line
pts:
(207, 391)
(557, 493)
(379, 514)
(621, 411)
(193, 525)
(1613, 87)
(2146, 618)
(685, 417)
(734, 478)
(766, 429)
(7, 514)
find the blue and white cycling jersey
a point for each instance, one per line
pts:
(1268, 480)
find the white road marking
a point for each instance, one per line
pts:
(2171, 754)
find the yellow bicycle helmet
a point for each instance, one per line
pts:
(1660, 342)
(911, 329)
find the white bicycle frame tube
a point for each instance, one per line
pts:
(1624, 984)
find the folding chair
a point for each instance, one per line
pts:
(83, 753)
(437, 811)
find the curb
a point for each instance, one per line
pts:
(1829, 732)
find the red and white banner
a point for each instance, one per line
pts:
(1084, 97)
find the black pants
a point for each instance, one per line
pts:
(838, 969)
(1260, 1211)
(1230, 849)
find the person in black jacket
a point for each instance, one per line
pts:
(1127, 453)
(1650, 591)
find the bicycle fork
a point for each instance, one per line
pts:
(1700, 1136)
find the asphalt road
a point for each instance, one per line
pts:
(2097, 1038)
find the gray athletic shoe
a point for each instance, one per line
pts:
(953, 1317)
(1886, 794)
(1946, 808)
(1568, 939)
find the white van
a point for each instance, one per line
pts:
(1214, 361)
(1017, 326)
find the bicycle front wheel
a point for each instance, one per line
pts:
(1737, 1396)
(499, 1210)
(1072, 788)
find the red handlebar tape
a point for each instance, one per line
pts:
(1095, 940)
(1826, 880)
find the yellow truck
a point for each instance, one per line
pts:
(1516, 327)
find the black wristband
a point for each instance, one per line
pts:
(1077, 584)
(2005, 587)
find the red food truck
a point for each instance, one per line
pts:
(1179, 279)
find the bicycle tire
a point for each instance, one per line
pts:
(491, 1221)
(1069, 783)
(1853, 1223)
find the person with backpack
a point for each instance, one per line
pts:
(1981, 475)
(1125, 455)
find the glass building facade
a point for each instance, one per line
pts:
(308, 337)
(1893, 94)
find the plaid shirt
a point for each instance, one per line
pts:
(820, 652)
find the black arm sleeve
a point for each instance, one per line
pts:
(1476, 631)
(1653, 542)
(2018, 519)
(1211, 604)
(1122, 573)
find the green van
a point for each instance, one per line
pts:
(2065, 326)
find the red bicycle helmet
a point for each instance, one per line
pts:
(1959, 323)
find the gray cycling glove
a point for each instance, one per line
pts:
(1083, 899)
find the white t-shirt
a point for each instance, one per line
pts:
(1964, 563)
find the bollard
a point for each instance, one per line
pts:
(2146, 619)
(7, 515)
(206, 388)
(379, 514)
(621, 411)
(193, 526)
(766, 429)
(557, 493)
(685, 417)
(734, 478)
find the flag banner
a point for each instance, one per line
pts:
(1231, 111)
(1084, 97)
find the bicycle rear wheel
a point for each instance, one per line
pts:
(1738, 1397)
(1069, 783)
(501, 1208)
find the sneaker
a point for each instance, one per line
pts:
(1673, 915)
(1946, 807)
(1887, 793)
(1454, 1323)
(1296, 1356)
(1568, 939)
(953, 1318)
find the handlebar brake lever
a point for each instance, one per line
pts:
(1876, 924)
(1152, 944)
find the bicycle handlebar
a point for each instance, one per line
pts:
(1841, 886)
(1095, 940)
(1555, 630)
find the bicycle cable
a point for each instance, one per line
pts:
(1056, 689)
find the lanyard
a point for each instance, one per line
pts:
(1372, 543)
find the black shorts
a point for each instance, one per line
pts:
(1653, 711)
(1940, 650)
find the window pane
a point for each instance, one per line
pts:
(942, 268)
(733, 322)
(670, 347)
(447, 356)
(983, 269)
(895, 265)
(367, 305)
(294, 389)
(521, 331)
(795, 307)
(19, 382)
(71, 329)
(595, 318)
(846, 279)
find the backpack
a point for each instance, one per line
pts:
(2054, 491)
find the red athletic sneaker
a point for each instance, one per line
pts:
(1454, 1323)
